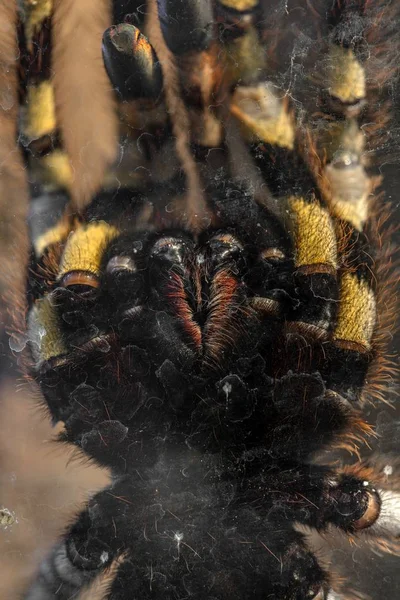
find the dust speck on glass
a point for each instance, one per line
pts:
(209, 310)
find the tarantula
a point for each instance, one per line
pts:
(208, 311)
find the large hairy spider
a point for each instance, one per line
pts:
(208, 297)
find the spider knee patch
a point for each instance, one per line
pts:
(315, 240)
(356, 315)
(84, 251)
(44, 333)
(349, 354)
(239, 5)
(186, 26)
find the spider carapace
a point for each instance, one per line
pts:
(208, 290)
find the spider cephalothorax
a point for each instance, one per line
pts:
(208, 320)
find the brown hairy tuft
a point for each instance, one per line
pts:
(84, 100)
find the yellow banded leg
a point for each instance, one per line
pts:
(263, 148)
(50, 352)
(35, 12)
(81, 260)
(38, 114)
(315, 263)
(131, 63)
(39, 118)
(268, 125)
(49, 164)
(263, 116)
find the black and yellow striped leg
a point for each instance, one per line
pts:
(129, 11)
(341, 139)
(236, 13)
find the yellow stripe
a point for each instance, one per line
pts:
(85, 248)
(57, 169)
(348, 184)
(36, 12)
(314, 234)
(44, 332)
(263, 116)
(40, 114)
(244, 57)
(240, 5)
(345, 74)
(55, 235)
(343, 138)
(354, 212)
(357, 311)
